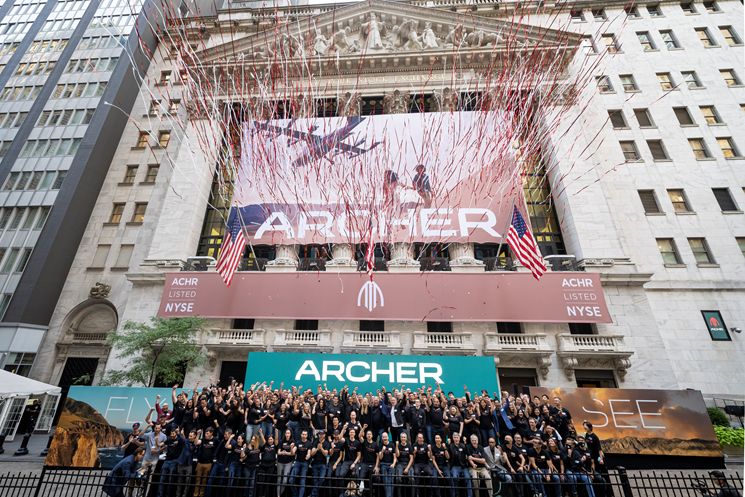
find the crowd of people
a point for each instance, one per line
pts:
(266, 441)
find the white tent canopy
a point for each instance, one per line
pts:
(13, 385)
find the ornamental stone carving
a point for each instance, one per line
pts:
(396, 102)
(349, 104)
(445, 100)
(100, 291)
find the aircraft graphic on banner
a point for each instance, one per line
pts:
(368, 296)
(320, 146)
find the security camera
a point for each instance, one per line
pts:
(736, 330)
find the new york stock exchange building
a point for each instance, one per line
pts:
(635, 202)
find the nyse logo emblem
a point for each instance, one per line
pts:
(369, 295)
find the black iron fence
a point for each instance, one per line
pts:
(216, 481)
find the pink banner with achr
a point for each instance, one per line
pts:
(430, 296)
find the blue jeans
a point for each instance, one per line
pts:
(217, 473)
(485, 433)
(294, 427)
(386, 474)
(268, 428)
(575, 477)
(167, 477)
(250, 475)
(251, 430)
(319, 472)
(458, 473)
(297, 478)
(234, 470)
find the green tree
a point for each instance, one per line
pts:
(159, 349)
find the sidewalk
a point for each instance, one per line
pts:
(31, 462)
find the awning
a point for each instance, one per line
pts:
(13, 385)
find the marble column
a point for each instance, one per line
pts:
(462, 258)
(402, 258)
(342, 258)
(285, 260)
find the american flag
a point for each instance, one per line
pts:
(232, 249)
(522, 243)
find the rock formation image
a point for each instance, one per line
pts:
(80, 432)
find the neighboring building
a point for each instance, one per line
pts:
(67, 79)
(654, 206)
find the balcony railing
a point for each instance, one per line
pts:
(303, 339)
(443, 342)
(591, 343)
(516, 342)
(563, 263)
(381, 264)
(494, 264)
(78, 336)
(311, 264)
(388, 341)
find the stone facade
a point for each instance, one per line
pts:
(658, 338)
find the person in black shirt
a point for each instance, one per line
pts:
(319, 421)
(459, 466)
(470, 422)
(436, 425)
(486, 420)
(386, 463)
(725, 490)
(223, 456)
(542, 470)
(168, 479)
(281, 417)
(593, 443)
(516, 464)
(320, 462)
(302, 452)
(369, 451)
(454, 421)
(403, 461)
(336, 455)
(422, 465)
(205, 457)
(267, 473)
(477, 464)
(440, 458)
(133, 441)
(417, 417)
(352, 455)
(580, 468)
(250, 457)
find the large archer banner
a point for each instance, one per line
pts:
(397, 177)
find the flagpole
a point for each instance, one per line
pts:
(504, 232)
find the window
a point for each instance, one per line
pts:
(628, 82)
(688, 8)
(28, 222)
(646, 41)
(439, 327)
(154, 108)
(617, 119)
(730, 77)
(23, 260)
(124, 256)
(701, 251)
(599, 14)
(691, 79)
(129, 175)
(604, 84)
(610, 42)
(684, 117)
(58, 180)
(372, 325)
(630, 153)
(138, 215)
(730, 36)
(700, 151)
(657, 149)
(512, 328)
(666, 81)
(654, 10)
(632, 12)
(577, 15)
(711, 7)
(152, 173)
(644, 118)
(725, 200)
(741, 244)
(99, 258)
(728, 147)
(588, 46)
(306, 324)
(10, 260)
(649, 202)
(669, 39)
(173, 106)
(165, 78)
(668, 251)
(142, 139)
(19, 363)
(243, 324)
(42, 218)
(705, 37)
(711, 116)
(163, 138)
(680, 201)
(116, 213)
